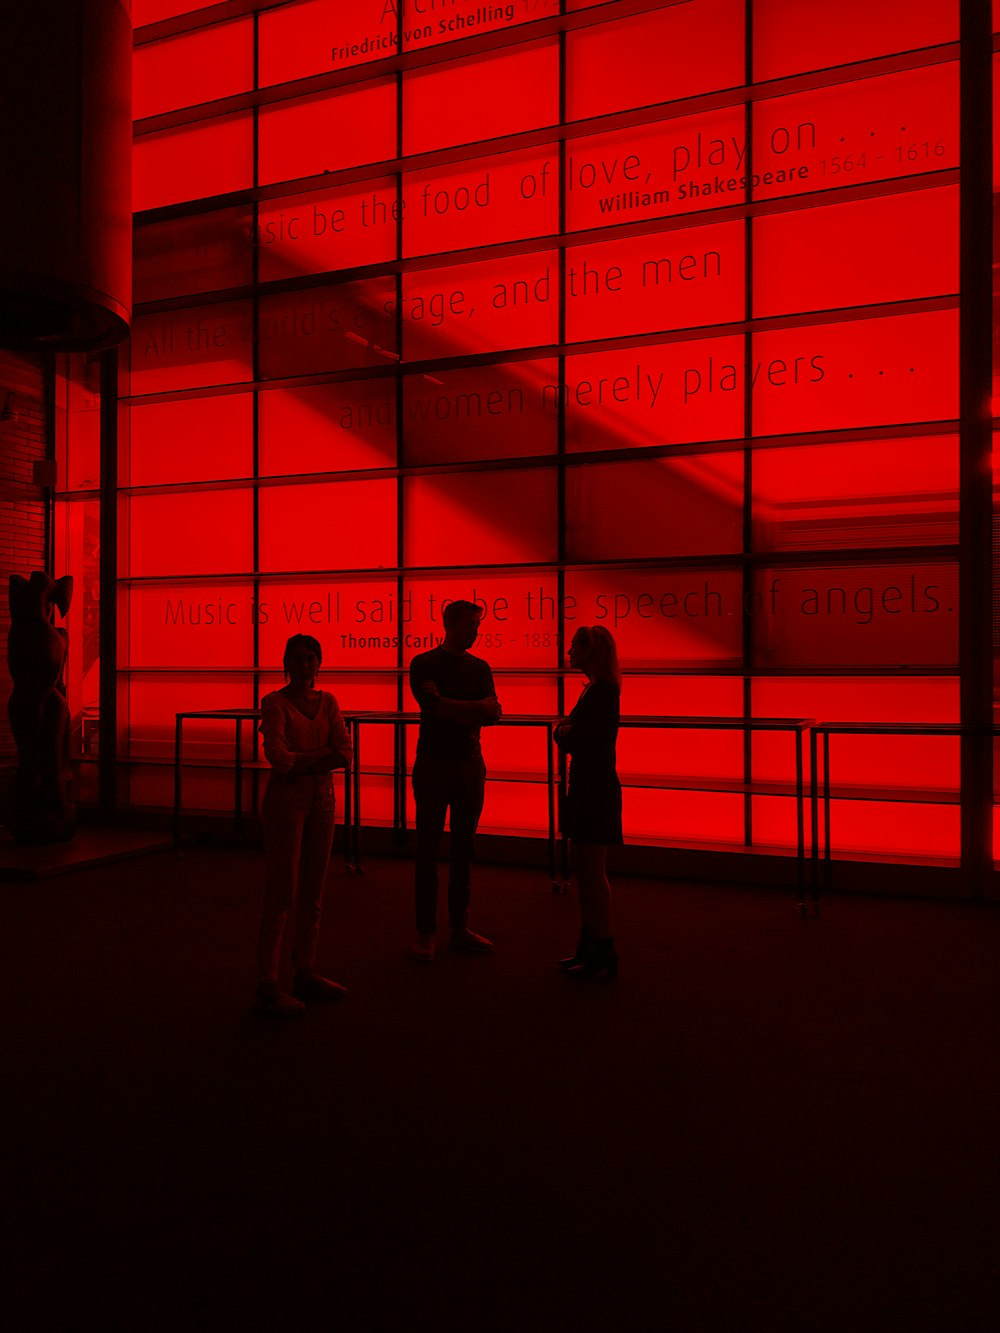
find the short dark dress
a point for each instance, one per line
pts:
(592, 810)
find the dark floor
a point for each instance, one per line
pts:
(765, 1124)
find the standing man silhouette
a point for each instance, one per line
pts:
(457, 697)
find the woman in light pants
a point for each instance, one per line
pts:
(305, 739)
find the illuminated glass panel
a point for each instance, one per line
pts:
(432, 24)
(679, 754)
(194, 625)
(366, 691)
(688, 617)
(492, 411)
(856, 615)
(773, 820)
(871, 761)
(681, 696)
(490, 518)
(683, 165)
(515, 749)
(871, 493)
(193, 162)
(188, 348)
(206, 252)
(857, 698)
(668, 280)
(197, 67)
(153, 701)
(78, 423)
(926, 763)
(512, 808)
(889, 249)
(666, 506)
(343, 525)
(150, 786)
(674, 393)
(217, 527)
(326, 230)
(693, 818)
(688, 754)
(309, 135)
(875, 129)
(312, 38)
(895, 830)
(355, 620)
(326, 328)
(482, 87)
(501, 198)
(485, 307)
(655, 57)
(866, 373)
(785, 31)
(518, 628)
(327, 428)
(192, 439)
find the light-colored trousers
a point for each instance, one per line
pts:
(298, 817)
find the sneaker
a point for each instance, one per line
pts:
(310, 986)
(423, 950)
(468, 941)
(276, 1003)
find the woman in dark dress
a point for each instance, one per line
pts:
(592, 812)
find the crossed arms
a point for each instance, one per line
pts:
(471, 712)
(284, 759)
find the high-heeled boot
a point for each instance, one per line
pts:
(601, 958)
(583, 946)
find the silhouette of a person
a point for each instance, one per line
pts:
(457, 697)
(592, 812)
(305, 739)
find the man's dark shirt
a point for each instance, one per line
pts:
(458, 676)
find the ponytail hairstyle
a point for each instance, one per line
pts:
(602, 655)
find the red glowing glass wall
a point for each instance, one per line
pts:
(638, 315)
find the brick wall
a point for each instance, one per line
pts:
(22, 503)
